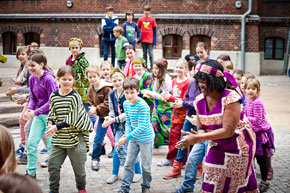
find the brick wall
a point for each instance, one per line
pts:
(98, 6)
(273, 9)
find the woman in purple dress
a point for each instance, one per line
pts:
(229, 162)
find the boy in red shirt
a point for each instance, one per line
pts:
(147, 24)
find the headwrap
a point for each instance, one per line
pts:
(139, 60)
(217, 73)
(117, 71)
(76, 41)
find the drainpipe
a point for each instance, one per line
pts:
(243, 33)
(285, 67)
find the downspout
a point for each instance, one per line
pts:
(285, 67)
(243, 33)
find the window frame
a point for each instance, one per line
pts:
(174, 46)
(200, 38)
(274, 48)
(30, 37)
(12, 43)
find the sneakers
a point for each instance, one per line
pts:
(165, 162)
(112, 179)
(270, 174)
(20, 150)
(137, 178)
(110, 155)
(264, 186)
(82, 191)
(182, 190)
(44, 164)
(43, 151)
(22, 159)
(95, 165)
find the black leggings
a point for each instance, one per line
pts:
(262, 161)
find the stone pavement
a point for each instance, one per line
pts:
(275, 93)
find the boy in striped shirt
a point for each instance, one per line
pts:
(139, 132)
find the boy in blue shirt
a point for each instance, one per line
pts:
(139, 133)
(131, 30)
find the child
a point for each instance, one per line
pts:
(105, 68)
(120, 45)
(79, 64)
(228, 66)
(34, 46)
(145, 79)
(131, 55)
(161, 115)
(246, 76)
(191, 64)
(179, 88)
(255, 112)
(147, 24)
(71, 126)
(108, 24)
(98, 98)
(131, 30)
(117, 120)
(238, 75)
(202, 51)
(139, 133)
(7, 158)
(42, 83)
(222, 58)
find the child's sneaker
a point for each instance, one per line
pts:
(137, 178)
(43, 151)
(22, 159)
(20, 150)
(264, 186)
(270, 174)
(82, 191)
(165, 162)
(44, 164)
(112, 179)
(95, 165)
(182, 190)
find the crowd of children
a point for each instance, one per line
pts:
(138, 110)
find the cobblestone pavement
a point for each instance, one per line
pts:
(275, 93)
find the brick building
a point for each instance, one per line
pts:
(180, 24)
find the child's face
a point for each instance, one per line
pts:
(146, 13)
(35, 68)
(131, 95)
(131, 54)
(22, 57)
(155, 70)
(66, 82)
(105, 72)
(117, 82)
(243, 83)
(117, 34)
(228, 70)
(138, 68)
(130, 18)
(238, 79)
(220, 61)
(75, 49)
(191, 60)
(93, 78)
(179, 69)
(201, 53)
(110, 14)
(251, 91)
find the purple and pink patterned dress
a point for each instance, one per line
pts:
(229, 162)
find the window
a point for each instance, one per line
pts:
(276, 1)
(274, 48)
(172, 46)
(199, 38)
(31, 37)
(9, 43)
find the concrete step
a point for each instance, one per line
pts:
(9, 119)
(10, 107)
(4, 98)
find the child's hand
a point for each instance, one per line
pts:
(165, 96)
(92, 110)
(122, 140)
(29, 114)
(52, 129)
(10, 92)
(147, 96)
(177, 103)
(21, 100)
(145, 92)
(108, 121)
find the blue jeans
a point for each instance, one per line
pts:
(92, 117)
(99, 138)
(108, 44)
(181, 154)
(116, 160)
(195, 157)
(146, 156)
(148, 47)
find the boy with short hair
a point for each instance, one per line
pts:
(147, 24)
(139, 132)
(99, 100)
(108, 23)
(120, 45)
(131, 30)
